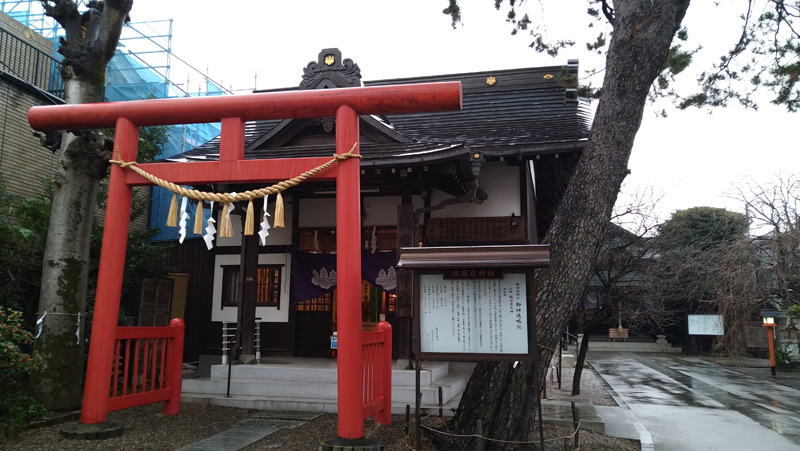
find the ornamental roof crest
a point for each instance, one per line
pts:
(331, 71)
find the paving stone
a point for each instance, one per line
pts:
(232, 439)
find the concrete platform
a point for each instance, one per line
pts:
(310, 385)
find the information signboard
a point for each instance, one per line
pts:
(474, 303)
(706, 325)
(485, 316)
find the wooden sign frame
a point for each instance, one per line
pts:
(487, 268)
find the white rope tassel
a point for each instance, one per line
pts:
(264, 232)
(183, 218)
(78, 329)
(40, 323)
(210, 229)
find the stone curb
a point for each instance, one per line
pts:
(97, 431)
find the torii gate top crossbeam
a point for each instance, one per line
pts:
(394, 99)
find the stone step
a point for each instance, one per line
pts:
(310, 385)
(321, 371)
(267, 389)
(325, 373)
(452, 385)
(262, 403)
(261, 388)
(303, 404)
(631, 347)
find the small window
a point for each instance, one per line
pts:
(319, 304)
(268, 285)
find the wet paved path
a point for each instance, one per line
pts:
(687, 403)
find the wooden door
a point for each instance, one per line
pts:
(156, 302)
(313, 326)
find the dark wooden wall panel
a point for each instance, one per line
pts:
(194, 259)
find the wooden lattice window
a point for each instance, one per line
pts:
(319, 304)
(268, 282)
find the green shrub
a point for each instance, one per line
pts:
(16, 406)
(793, 311)
(783, 358)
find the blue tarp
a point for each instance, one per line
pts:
(130, 80)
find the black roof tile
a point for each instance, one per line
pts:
(523, 113)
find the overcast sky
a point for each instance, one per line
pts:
(691, 158)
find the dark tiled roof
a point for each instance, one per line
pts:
(523, 113)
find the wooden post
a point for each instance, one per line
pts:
(174, 364)
(247, 310)
(109, 279)
(407, 236)
(348, 276)
(771, 339)
(383, 374)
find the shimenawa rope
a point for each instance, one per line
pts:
(229, 198)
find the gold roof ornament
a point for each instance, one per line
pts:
(329, 60)
(548, 77)
(491, 80)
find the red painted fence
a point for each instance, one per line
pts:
(147, 367)
(376, 353)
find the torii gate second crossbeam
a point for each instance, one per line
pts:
(232, 111)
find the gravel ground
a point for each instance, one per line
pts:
(147, 429)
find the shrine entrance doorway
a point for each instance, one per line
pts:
(313, 326)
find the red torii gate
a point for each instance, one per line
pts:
(233, 111)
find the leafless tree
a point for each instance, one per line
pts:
(622, 284)
(775, 221)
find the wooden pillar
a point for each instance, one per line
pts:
(247, 309)
(348, 275)
(109, 279)
(407, 236)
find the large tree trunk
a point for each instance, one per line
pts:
(64, 278)
(502, 396)
(91, 38)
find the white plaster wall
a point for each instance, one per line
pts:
(317, 213)
(382, 211)
(267, 314)
(501, 183)
(377, 211)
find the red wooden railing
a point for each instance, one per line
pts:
(150, 362)
(376, 354)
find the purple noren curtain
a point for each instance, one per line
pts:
(314, 275)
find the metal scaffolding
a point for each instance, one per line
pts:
(141, 68)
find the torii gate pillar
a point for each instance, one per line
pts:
(348, 271)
